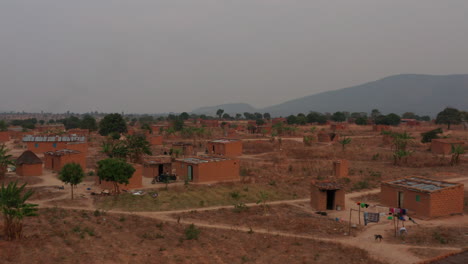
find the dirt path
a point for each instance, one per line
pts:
(391, 253)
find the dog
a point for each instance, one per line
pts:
(379, 237)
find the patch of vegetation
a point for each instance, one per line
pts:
(192, 232)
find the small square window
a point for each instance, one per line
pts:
(418, 198)
(54, 145)
(36, 145)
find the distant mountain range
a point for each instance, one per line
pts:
(421, 94)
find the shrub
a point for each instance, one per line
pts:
(192, 232)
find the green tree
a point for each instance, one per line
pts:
(116, 171)
(71, 122)
(112, 123)
(3, 126)
(361, 121)
(178, 124)
(238, 116)
(457, 150)
(137, 145)
(375, 113)
(430, 135)
(226, 116)
(219, 113)
(260, 122)
(5, 160)
(400, 143)
(15, 209)
(449, 116)
(73, 174)
(267, 116)
(345, 141)
(409, 115)
(184, 116)
(338, 117)
(263, 198)
(292, 119)
(88, 122)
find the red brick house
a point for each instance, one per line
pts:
(41, 144)
(154, 140)
(4, 136)
(28, 164)
(55, 160)
(444, 145)
(340, 168)
(423, 197)
(225, 147)
(207, 169)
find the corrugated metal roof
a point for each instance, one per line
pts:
(224, 140)
(422, 184)
(202, 159)
(72, 138)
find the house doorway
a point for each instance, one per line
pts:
(189, 173)
(400, 199)
(160, 169)
(330, 199)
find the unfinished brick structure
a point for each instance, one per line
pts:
(340, 168)
(55, 160)
(159, 128)
(444, 145)
(206, 169)
(423, 197)
(155, 140)
(28, 164)
(209, 123)
(41, 144)
(135, 182)
(225, 147)
(156, 166)
(327, 195)
(380, 128)
(4, 136)
(339, 126)
(327, 137)
(186, 149)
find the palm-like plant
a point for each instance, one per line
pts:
(14, 208)
(345, 141)
(5, 160)
(457, 150)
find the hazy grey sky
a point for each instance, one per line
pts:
(161, 56)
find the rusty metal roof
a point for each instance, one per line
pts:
(422, 184)
(328, 185)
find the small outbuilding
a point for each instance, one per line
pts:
(156, 166)
(444, 145)
(225, 147)
(29, 164)
(327, 195)
(423, 197)
(327, 137)
(207, 169)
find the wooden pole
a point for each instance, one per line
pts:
(359, 214)
(350, 210)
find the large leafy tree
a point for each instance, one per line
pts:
(116, 171)
(137, 145)
(338, 117)
(88, 122)
(5, 160)
(3, 126)
(219, 112)
(14, 209)
(449, 116)
(73, 174)
(71, 122)
(112, 123)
